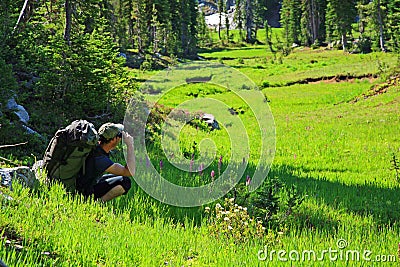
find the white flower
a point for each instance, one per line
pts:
(230, 227)
(226, 219)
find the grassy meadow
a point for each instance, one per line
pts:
(333, 143)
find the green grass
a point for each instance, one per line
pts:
(336, 152)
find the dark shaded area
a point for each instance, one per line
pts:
(15, 245)
(366, 199)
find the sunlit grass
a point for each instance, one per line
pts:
(335, 151)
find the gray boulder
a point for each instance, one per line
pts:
(19, 110)
(210, 120)
(23, 174)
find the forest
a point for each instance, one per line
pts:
(71, 55)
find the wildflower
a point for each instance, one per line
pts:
(230, 227)
(201, 168)
(248, 180)
(219, 165)
(212, 174)
(245, 209)
(231, 200)
(218, 206)
(226, 219)
(207, 209)
(236, 210)
(161, 164)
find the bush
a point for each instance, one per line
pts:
(233, 222)
(8, 84)
(273, 203)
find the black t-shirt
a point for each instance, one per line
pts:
(96, 163)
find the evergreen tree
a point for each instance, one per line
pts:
(339, 18)
(291, 18)
(239, 17)
(313, 21)
(393, 23)
(221, 9)
(249, 22)
(202, 29)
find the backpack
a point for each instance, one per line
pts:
(67, 151)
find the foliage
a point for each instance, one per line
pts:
(334, 151)
(8, 84)
(273, 204)
(396, 167)
(233, 222)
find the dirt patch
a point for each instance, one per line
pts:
(378, 89)
(334, 79)
(340, 79)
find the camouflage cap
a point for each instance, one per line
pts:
(110, 130)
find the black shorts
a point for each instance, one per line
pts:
(108, 182)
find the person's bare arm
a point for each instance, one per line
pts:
(129, 168)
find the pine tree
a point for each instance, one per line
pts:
(291, 18)
(249, 8)
(239, 17)
(202, 29)
(393, 23)
(339, 18)
(221, 10)
(313, 21)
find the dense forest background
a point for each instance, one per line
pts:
(66, 59)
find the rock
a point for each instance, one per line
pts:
(210, 120)
(19, 110)
(23, 174)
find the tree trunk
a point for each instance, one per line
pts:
(21, 14)
(220, 25)
(314, 22)
(68, 15)
(381, 37)
(249, 21)
(344, 41)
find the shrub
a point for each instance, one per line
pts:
(273, 203)
(233, 222)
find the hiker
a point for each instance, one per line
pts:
(93, 181)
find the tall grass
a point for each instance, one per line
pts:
(336, 152)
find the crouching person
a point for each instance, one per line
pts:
(116, 181)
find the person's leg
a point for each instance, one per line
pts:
(116, 191)
(110, 187)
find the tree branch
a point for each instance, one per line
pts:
(20, 15)
(14, 145)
